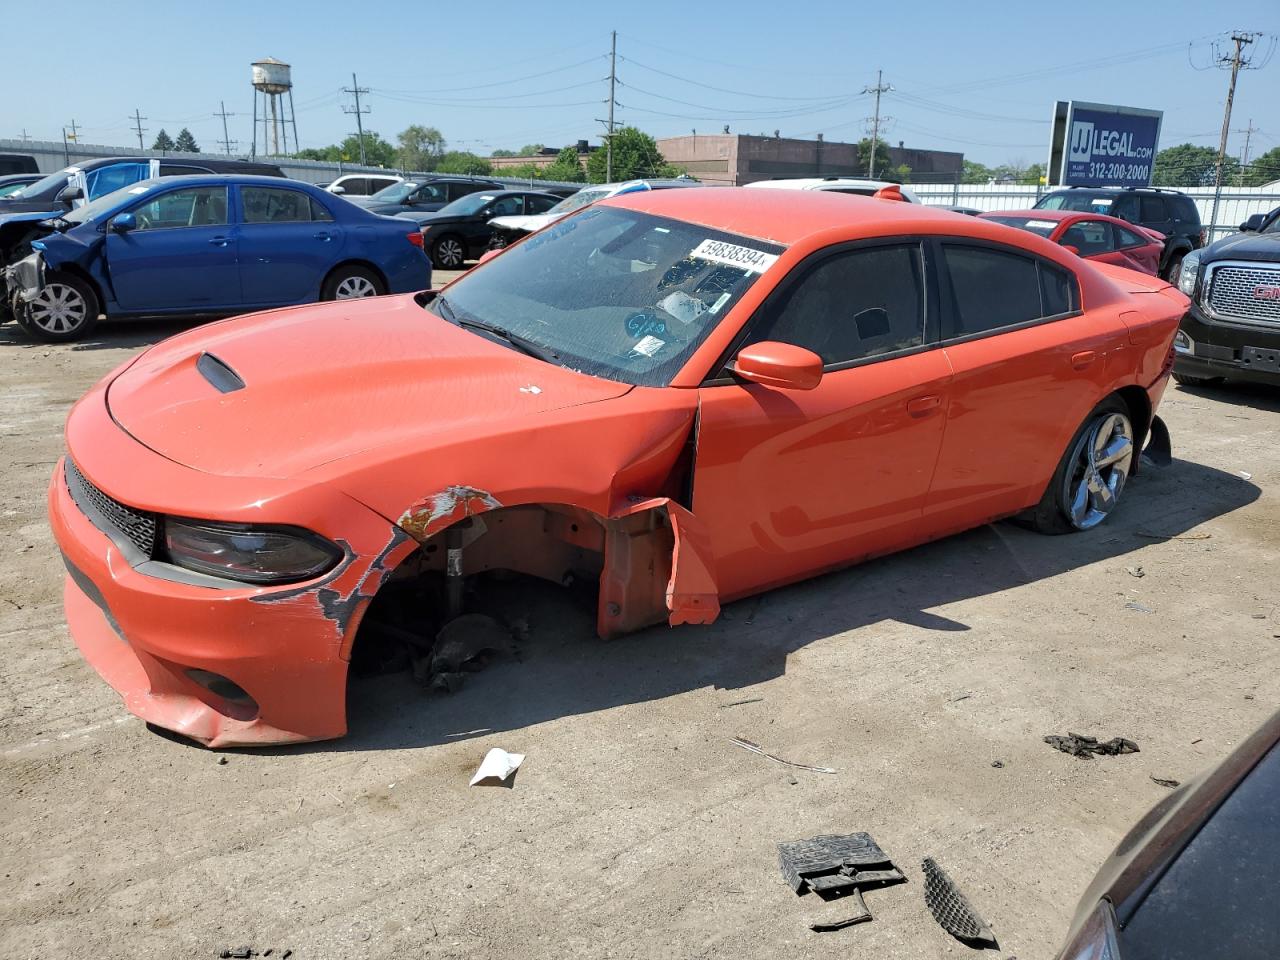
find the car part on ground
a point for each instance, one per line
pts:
(1085, 747)
(952, 909)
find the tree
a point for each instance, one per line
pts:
(1263, 170)
(504, 153)
(975, 172)
(566, 167)
(530, 150)
(185, 143)
(635, 154)
(1187, 165)
(524, 171)
(462, 161)
(884, 163)
(163, 141)
(377, 152)
(420, 147)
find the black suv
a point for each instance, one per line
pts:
(1233, 327)
(1172, 213)
(423, 194)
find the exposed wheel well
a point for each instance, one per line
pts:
(1139, 404)
(73, 270)
(355, 262)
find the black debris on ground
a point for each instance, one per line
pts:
(837, 869)
(953, 911)
(1084, 747)
(1165, 783)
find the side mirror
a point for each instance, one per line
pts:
(488, 255)
(1071, 249)
(1253, 223)
(338, 190)
(69, 193)
(781, 365)
(123, 222)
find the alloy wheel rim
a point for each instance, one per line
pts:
(1100, 466)
(450, 253)
(58, 308)
(353, 288)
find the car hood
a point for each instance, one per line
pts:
(1245, 246)
(30, 212)
(325, 381)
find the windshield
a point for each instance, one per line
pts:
(580, 199)
(613, 293)
(108, 203)
(1083, 202)
(1042, 227)
(1274, 225)
(54, 181)
(396, 193)
(465, 206)
(11, 189)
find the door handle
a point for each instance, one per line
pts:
(323, 235)
(921, 406)
(1082, 359)
(220, 241)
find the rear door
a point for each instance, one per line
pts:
(288, 242)
(790, 482)
(1028, 365)
(181, 256)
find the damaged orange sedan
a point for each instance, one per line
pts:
(685, 396)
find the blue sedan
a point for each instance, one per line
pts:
(206, 246)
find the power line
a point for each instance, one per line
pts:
(497, 83)
(226, 140)
(355, 89)
(880, 88)
(708, 86)
(138, 128)
(613, 101)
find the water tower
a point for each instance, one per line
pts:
(271, 79)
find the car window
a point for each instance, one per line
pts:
(1127, 238)
(1078, 200)
(274, 205)
(108, 179)
(851, 306)
(1030, 223)
(9, 189)
(1184, 208)
(319, 212)
(461, 189)
(977, 271)
(1153, 209)
(430, 193)
(539, 204)
(1089, 237)
(857, 191)
(507, 207)
(1126, 208)
(179, 170)
(188, 207)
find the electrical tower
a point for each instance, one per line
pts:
(355, 89)
(878, 89)
(138, 128)
(226, 141)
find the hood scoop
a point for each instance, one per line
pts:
(219, 373)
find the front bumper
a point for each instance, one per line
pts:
(1207, 347)
(158, 641)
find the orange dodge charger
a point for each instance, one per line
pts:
(686, 396)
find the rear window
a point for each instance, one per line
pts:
(1030, 289)
(1077, 200)
(1184, 208)
(1031, 224)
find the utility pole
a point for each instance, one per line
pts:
(1248, 132)
(879, 88)
(613, 80)
(138, 127)
(25, 138)
(226, 140)
(73, 135)
(1236, 60)
(356, 90)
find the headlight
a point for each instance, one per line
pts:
(1187, 275)
(247, 552)
(1096, 939)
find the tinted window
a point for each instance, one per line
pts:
(179, 170)
(192, 207)
(105, 180)
(1039, 227)
(430, 193)
(271, 205)
(462, 189)
(1089, 237)
(1153, 209)
(1057, 290)
(1184, 208)
(539, 204)
(1127, 238)
(318, 212)
(851, 306)
(507, 207)
(1079, 200)
(1126, 208)
(978, 272)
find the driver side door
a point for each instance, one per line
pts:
(180, 256)
(790, 482)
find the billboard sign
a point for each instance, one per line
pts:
(1101, 145)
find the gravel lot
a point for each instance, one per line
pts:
(635, 828)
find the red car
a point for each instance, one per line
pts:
(685, 396)
(1091, 235)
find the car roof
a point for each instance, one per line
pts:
(817, 183)
(248, 179)
(1033, 214)
(1116, 190)
(786, 217)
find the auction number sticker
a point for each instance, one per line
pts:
(648, 346)
(744, 258)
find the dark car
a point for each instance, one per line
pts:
(13, 182)
(423, 194)
(460, 231)
(1196, 878)
(1168, 212)
(81, 183)
(207, 246)
(1232, 330)
(17, 163)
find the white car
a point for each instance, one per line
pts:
(362, 184)
(508, 230)
(862, 186)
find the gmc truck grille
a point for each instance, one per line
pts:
(110, 515)
(1245, 293)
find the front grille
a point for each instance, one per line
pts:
(1246, 293)
(110, 515)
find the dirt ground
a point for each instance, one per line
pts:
(635, 828)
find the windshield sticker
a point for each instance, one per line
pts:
(721, 301)
(1041, 224)
(683, 307)
(648, 346)
(717, 251)
(139, 189)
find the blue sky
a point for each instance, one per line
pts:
(975, 77)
